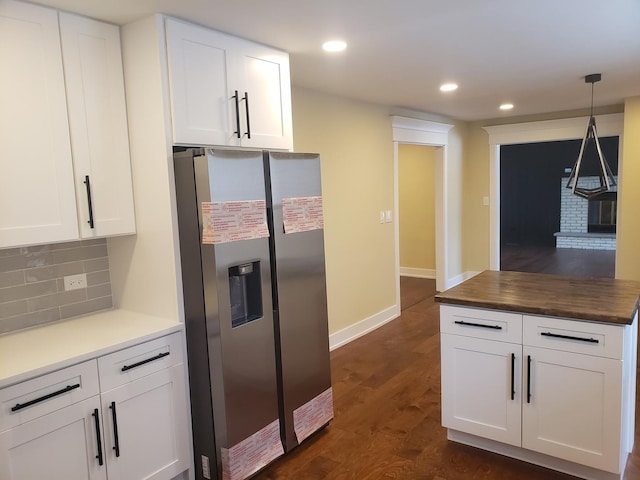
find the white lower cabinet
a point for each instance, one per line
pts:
(564, 390)
(62, 445)
(134, 427)
(574, 411)
(478, 380)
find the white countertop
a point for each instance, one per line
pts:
(35, 351)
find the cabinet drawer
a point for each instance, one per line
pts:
(599, 339)
(478, 323)
(135, 362)
(39, 396)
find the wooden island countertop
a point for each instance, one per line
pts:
(582, 298)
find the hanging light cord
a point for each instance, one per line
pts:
(592, 84)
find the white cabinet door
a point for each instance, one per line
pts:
(574, 411)
(37, 200)
(264, 82)
(226, 90)
(201, 103)
(481, 392)
(62, 445)
(98, 125)
(151, 422)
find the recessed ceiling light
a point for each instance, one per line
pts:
(334, 46)
(506, 106)
(448, 87)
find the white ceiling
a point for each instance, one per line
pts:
(533, 53)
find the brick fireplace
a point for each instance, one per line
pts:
(580, 228)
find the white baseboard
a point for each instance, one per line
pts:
(452, 282)
(350, 333)
(417, 272)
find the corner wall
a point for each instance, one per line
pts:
(354, 140)
(628, 230)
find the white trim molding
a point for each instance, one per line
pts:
(350, 333)
(609, 125)
(435, 134)
(417, 272)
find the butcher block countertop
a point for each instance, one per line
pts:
(582, 298)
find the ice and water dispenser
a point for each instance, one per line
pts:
(245, 292)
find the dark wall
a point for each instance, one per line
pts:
(530, 186)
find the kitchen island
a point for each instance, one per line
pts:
(542, 368)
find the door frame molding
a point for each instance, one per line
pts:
(609, 125)
(433, 134)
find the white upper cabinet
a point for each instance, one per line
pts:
(37, 201)
(60, 117)
(226, 90)
(98, 126)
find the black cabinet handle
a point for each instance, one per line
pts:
(513, 374)
(142, 362)
(88, 185)
(528, 378)
(20, 406)
(246, 109)
(569, 337)
(116, 442)
(236, 97)
(96, 418)
(471, 324)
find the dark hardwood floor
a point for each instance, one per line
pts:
(560, 261)
(386, 388)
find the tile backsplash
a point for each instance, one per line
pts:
(32, 283)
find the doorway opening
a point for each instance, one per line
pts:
(416, 213)
(565, 260)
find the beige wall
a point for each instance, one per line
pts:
(628, 251)
(475, 216)
(416, 204)
(356, 147)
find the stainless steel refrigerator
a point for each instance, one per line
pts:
(253, 274)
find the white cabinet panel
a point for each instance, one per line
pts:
(98, 125)
(37, 203)
(478, 378)
(62, 445)
(574, 411)
(63, 109)
(201, 104)
(267, 84)
(151, 421)
(227, 91)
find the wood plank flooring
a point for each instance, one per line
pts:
(560, 261)
(386, 389)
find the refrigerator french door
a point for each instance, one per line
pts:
(252, 255)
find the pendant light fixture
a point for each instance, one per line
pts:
(591, 142)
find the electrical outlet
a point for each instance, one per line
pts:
(74, 282)
(381, 216)
(387, 216)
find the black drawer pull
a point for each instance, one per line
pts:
(246, 107)
(513, 374)
(471, 324)
(96, 419)
(569, 337)
(237, 101)
(114, 417)
(528, 378)
(87, 182)
(20, 406)
(142, 362)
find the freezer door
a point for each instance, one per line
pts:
(301, 320)
(236, 277)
